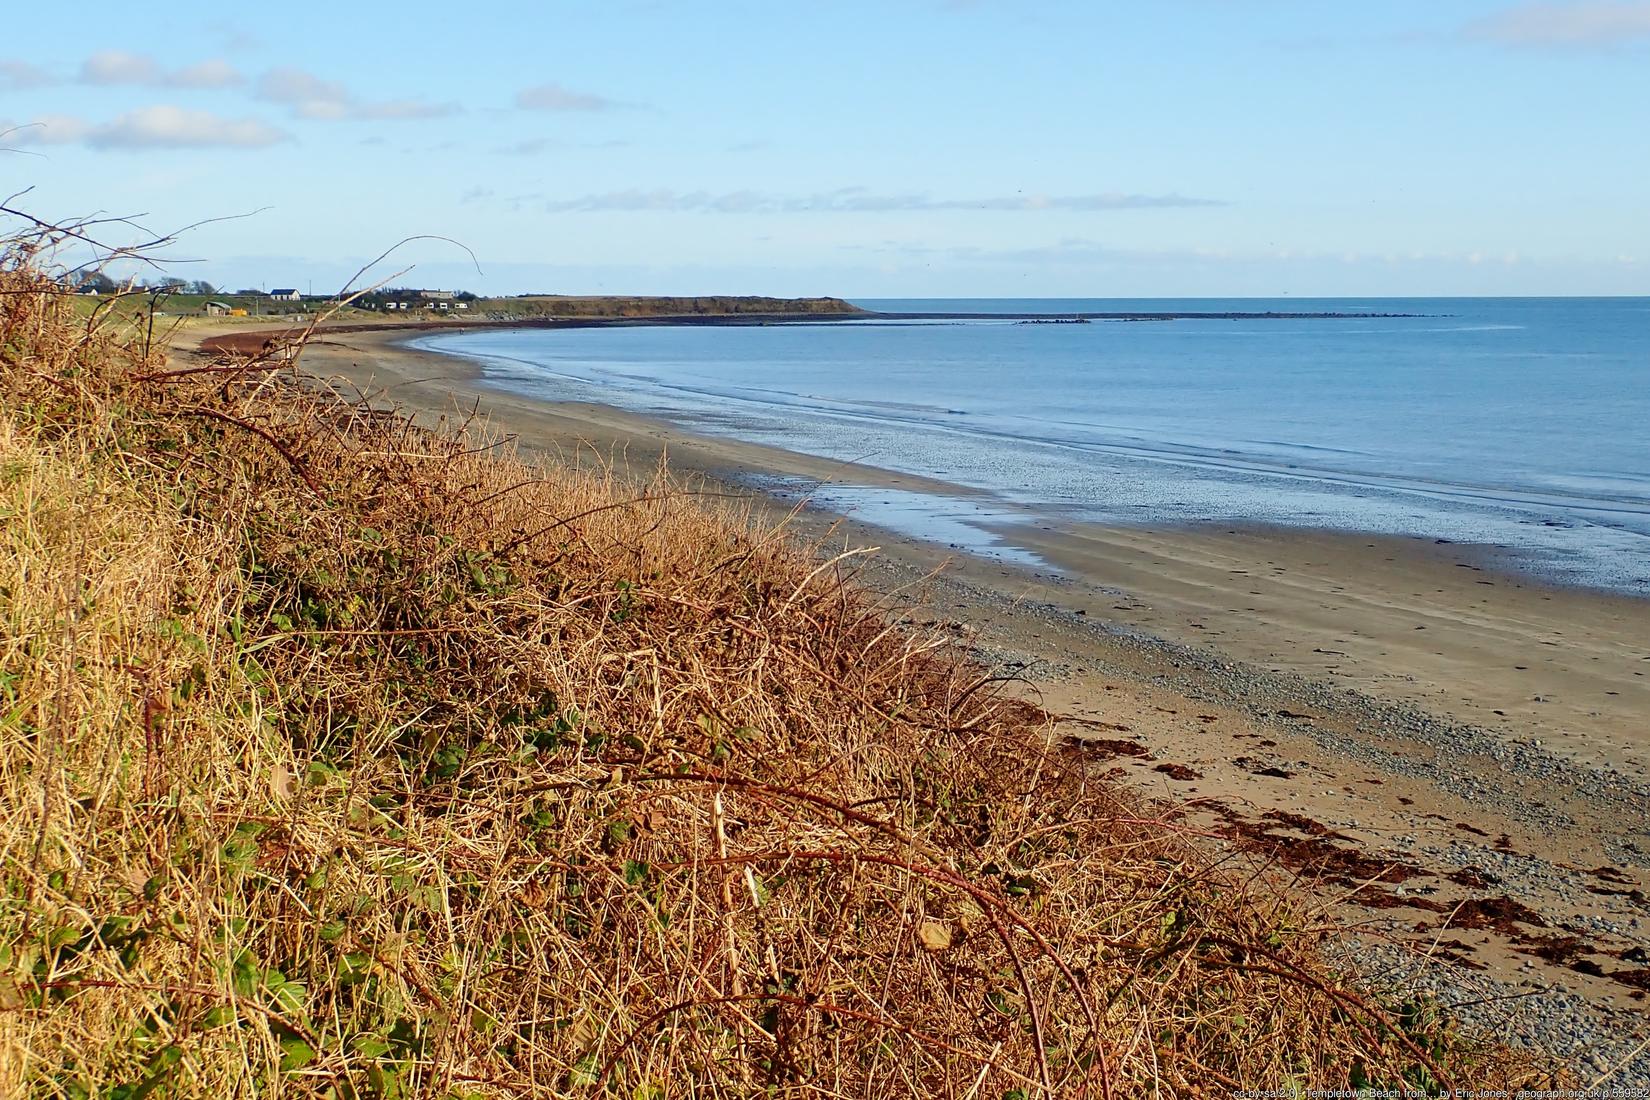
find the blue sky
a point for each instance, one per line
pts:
(907, 148)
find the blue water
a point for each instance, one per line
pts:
(1521, 424)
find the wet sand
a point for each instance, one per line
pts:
(1456, 755)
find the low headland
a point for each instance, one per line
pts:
(185, 315)
(369, 733)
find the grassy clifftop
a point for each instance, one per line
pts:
(342, 759)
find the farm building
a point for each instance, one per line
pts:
(216, 309)
(286, 294)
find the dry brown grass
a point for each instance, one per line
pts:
(343, 759)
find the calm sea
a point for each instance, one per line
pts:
(1522, 424)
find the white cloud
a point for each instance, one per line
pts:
(206, 74)
(306, 93)
(44, 130)
(179, 128)
(857, 200)
(1584, 24)
(17, 75)
(119, 67)
(176, 127)
(403, 108)
(116, 67)
(530, 147)
(554, 97)
(309, 96)
(1082, 251)
(534, 146)
(233, 35)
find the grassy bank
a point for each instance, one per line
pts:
(339, 758)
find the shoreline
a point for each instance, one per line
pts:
(249, 339)
(1457, 781)
(1572, 540)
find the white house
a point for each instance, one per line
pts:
(286, 294)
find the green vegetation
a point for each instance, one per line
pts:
(176, 304)
(341, 759)
(371, 307)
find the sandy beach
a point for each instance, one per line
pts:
(1453, 754)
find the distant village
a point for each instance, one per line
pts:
(201, 297)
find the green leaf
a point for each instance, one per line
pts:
(354, 968)
(160, 1072)
(385, 1081)
(289, 996)
(583, 1071)
(319, 773)
(295, 1054)
(218, 1016)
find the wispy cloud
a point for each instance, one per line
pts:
(309, 96)
(1589, 24)
(531, 147)
(45, 130)
(534, 146)
(554, 97)
(393, 109)
(119, 67)
(1074, 251)
(233, 35)
(1085, 252)
(856, 200)
(114, 67)
(304, 92)
(206, 74)
(178, 128)
(160, 127)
